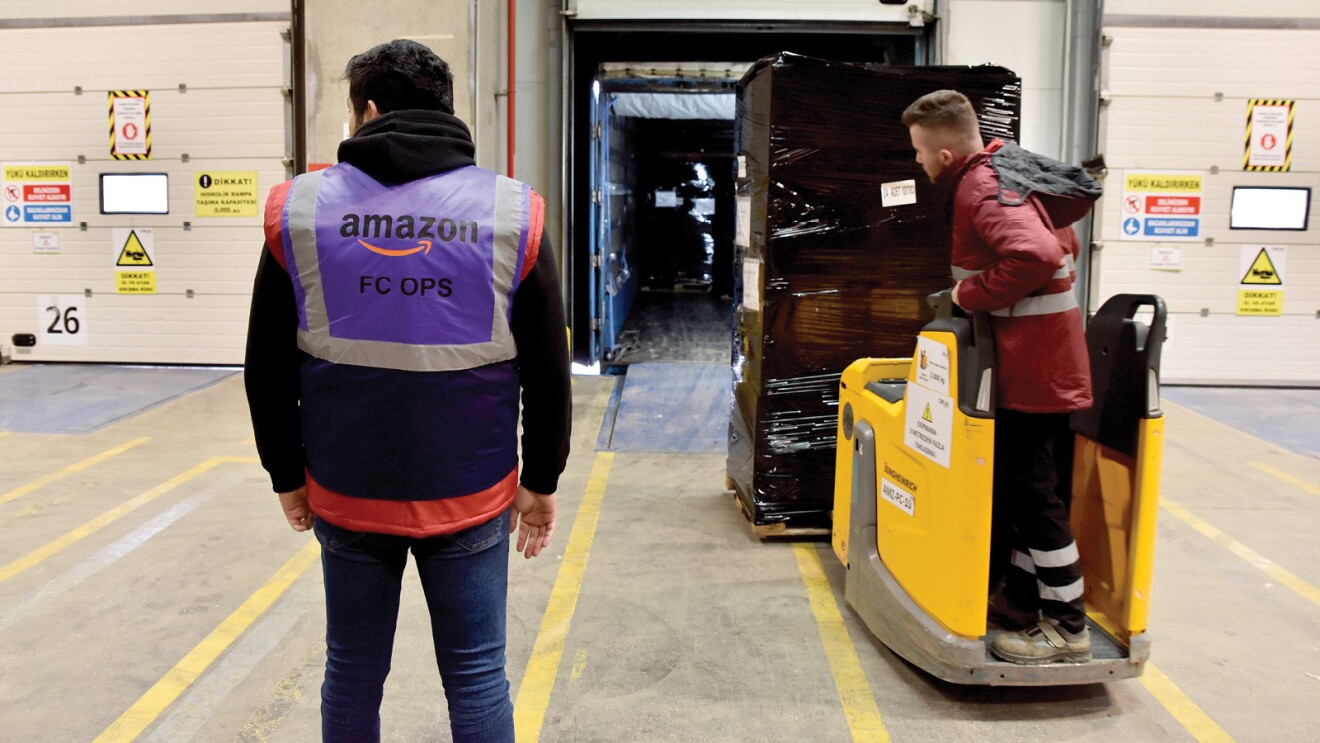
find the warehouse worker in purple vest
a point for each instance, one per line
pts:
(406, 302)
(1014, 257)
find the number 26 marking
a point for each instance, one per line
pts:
(66, 322)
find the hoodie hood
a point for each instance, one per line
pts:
(403, 146)
(1066, 191)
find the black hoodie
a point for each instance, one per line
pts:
(394, 148)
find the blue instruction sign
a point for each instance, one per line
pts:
(1166, 228)
(48, 213)
(1131, 226)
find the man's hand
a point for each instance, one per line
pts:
(296, 510)
(534, 518)
(955, 293)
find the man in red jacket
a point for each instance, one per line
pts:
(1013, 257)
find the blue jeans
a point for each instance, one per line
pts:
(465, 579)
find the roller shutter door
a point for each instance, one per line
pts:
(736, 10)
(1175, 112)
(217, 106)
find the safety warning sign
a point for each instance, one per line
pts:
(1162, 206)
(135, 264)
(1269, 136)
(36, 194)
(928, 428)
(226, 194)
(130, 124)
(933, 365)
(1260, 289)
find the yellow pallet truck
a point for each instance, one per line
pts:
(912, 498)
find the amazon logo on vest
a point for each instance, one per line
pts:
(406, 227)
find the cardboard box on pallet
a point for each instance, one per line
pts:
(840, 239)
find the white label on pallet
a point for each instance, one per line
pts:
(752, 284)
(905, 501)
(928, 425)
(898, 193)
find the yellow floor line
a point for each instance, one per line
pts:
(854, 690)
(105, 519)
(1183, 709)
(23, 490)
(1272, 569)
(1280, 474)
(177, 680)
(534, 692)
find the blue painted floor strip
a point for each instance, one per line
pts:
(80, 398)
(674, 408)
(1289, 418)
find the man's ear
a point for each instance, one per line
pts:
(946, 158)
(371, 112)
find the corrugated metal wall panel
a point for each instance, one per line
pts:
(1163, 114)
(231, 117)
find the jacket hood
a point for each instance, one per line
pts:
(1066, 191)
(403, 146)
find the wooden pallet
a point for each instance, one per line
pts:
(778, 530)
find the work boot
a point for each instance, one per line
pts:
(1005, 614)
(1047, 642)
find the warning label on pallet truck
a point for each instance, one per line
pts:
(928, 425)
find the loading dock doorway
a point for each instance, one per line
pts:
(661, 225)
(635, 293)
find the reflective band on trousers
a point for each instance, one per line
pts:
(317, 339)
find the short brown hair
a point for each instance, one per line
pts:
(947, 110)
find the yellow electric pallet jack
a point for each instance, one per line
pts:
(913, 490)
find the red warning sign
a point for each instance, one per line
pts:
(1183, 205)
(46, 193)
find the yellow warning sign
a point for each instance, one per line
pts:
(135, 282)
(1158, 182)
(1262, 270)
(37, 172)
(230, 193)
(134, 253)
(926, 415)
(1260, 302)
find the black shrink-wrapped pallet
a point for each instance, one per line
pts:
(829, 273)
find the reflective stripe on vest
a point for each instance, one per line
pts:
(412, 332)
(1068, 267)
(1046, 304)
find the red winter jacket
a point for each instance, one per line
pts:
(1013, 255)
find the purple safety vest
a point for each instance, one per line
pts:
(392, 280)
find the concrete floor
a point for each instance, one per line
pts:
(686, 628)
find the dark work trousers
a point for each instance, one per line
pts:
(1032, 545)
(465, 578)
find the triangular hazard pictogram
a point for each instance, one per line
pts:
(1262, 270)
(133, 254)
(926, 415)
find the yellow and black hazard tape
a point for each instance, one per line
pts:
(110, 104)
(1287, 157)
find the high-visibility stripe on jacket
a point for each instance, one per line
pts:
(409, 387)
